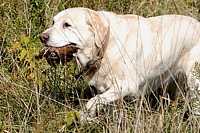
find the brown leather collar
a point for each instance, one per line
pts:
(93, 65)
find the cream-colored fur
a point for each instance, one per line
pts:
(140, 50)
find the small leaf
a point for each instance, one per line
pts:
(69, 118)
(22, 38)
(26, 40)
(32, 65)
(72, 116)
(22, 54)
(2, 126)
(77, 116)
(17, 45)
(31, 75)
(30, 53)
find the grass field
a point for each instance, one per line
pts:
(37, 98)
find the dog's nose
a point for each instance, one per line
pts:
(44, 37)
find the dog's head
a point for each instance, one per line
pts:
(79, 27)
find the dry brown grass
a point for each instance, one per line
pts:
(37, 98)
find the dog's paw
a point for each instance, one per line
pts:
(85, 118)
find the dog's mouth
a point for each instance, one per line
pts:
(55, 55)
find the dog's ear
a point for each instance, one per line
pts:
(101, 32)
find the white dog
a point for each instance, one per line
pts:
(127, 52)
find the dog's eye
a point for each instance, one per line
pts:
(66, 25)
(52, 23)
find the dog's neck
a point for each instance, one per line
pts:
(94, 64)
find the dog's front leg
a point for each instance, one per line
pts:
(96, 103)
